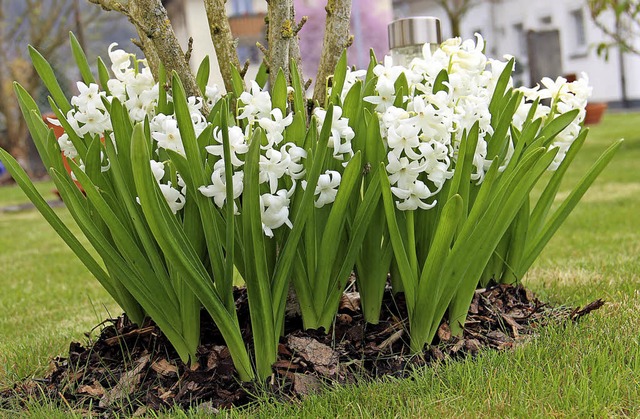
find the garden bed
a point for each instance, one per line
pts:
(130, 369)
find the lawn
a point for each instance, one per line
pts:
(590, 369)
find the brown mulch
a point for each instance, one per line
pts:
(130, 369)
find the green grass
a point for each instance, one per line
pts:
(591, 369)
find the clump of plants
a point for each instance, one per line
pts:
(424, 173)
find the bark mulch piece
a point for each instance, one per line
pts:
(131, 370)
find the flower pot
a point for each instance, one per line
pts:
(594, 112)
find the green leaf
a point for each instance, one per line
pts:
(44, 70)
(164, 107)
(535, 246)
(501, 87)
(407, 274)
(497, 146)
(517, 244)
(257, 273)
(302, 207)
(431, 279)
(202, 77)
(263, 75)
(439, 84)
(333, 230)
(279, 93)
(181, 254)
(361, 223)
(298, 89)
(196, 168)
(339, 76)
(81, 60)
(103, 76)
(545, 201)
(237, 84)
(557, 124)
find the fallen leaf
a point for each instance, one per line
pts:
(163, 367)
(350, 301)
(444, 332)
(127, 384)
(95, 389)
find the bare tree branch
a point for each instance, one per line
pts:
(336, 39)
(222, 39)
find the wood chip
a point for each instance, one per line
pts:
(391, 340)
(323, 358)
(305, 384)
(136, 332)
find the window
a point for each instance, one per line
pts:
(521, 39)
(546, 20)
(577, 25)
(241, 7)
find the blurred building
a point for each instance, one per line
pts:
(548, 38)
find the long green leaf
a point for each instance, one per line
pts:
(408, 275)
(196, 159)
(333, 230)
(535, 247)
(202, 76)
(257, 273)
(44, 70)
(179, 251)
(431, 278)
(81, 60)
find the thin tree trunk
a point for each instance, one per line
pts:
(222, 39)
(336, 39)
(157, 39)
(150, 17)
(280, 36)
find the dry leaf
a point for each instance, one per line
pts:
(127, 384)
(164, 367)
(95, 389)
(350, 301)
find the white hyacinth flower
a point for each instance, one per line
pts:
(218, 188)
(169, 137)
(327, 188)
(237, 145)
(274, 210)
(256, 104)
(67, 147)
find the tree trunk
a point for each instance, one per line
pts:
(336, 39)
(281, 34)
(151, 20)
(222, 39)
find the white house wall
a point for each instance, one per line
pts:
(496, 21)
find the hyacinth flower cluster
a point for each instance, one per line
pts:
(424, 173)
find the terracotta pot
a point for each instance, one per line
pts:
(595, 112)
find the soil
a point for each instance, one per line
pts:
(132, 370)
